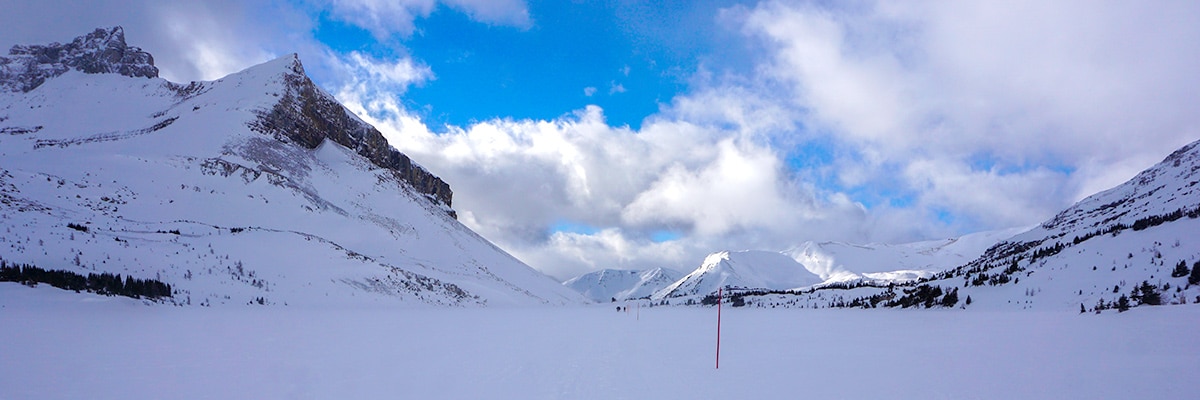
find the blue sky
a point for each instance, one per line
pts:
(627, 57)
(581, 135)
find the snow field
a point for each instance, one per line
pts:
(62, 345)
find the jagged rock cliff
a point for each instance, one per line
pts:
(103, 51)
(307, 115)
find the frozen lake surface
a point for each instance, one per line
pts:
(60, 345)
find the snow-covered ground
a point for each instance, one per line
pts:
(62, 345)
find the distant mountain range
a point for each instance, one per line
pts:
(616, 284)
(1134, 244)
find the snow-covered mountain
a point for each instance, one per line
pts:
(815, 264)
(1104, 246)
(1136, 241)
(257, 187)
(882, 263)
(617, 284)
(750, 269)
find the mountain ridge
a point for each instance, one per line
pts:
(102, 51)
(747, 269)
(617, 285)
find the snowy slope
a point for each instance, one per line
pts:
(1135, 232)
(1107, 246)
(749, 269)
(845, 262)
(212, 188)
(608, 284)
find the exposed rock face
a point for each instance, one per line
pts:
(307, 115)
(103, 51)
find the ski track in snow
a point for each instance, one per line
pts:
(62, 345)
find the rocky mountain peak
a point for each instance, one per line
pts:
(102, 51)
(306, 115)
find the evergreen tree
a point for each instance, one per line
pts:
(968, 299)
(951, 298)
(1082, 309)
(1123, 304)
(1181, 270)
(1150, 295)
(1194, 278)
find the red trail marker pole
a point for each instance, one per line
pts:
(718, 328)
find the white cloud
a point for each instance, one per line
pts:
(565, 255)
(395, 76)
(714, 181)
(498, 12)
(385, 18)
(737, 189)
(206, 39)
(382, 18)
(589, 91)
(977, 103)
(993, 198)
(614, 88)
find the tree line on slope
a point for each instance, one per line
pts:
(103, 283)
(920, 296)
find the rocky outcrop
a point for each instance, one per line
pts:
(306, 115)
(103, 51)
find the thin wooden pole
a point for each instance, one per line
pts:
(719, 293)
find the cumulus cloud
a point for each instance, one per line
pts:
(737, 189)
(206, 40)
(715, 182)
(498, 12)
(988, 96)
(368, 74)
(385, 18)
(614, 88)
